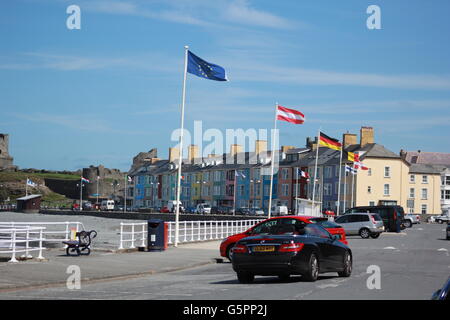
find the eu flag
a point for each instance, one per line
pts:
(204, 69)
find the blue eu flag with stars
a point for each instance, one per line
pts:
(204, 69)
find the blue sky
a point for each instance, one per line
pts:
(100, 95)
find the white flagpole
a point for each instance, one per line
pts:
(296, 191)
(272, 159)
(180, 160)
(125, 195)
(234, 193)
(345, 185)
(26, 188)
(315, 170)
(339, 185)
(81, 194)
(353, 184)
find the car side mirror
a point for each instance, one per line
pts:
(436, 295)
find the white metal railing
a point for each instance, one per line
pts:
(132, 232)
(189, 231)
(19, 239)
(54, 231)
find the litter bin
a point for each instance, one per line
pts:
(157, 235)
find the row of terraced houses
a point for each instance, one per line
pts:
(392, 178)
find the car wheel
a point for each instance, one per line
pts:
(364, 233)
(407, 223)
(313, 269)
(440, 221)
(375, 235)
(229, 251)
(245, 277)
(348, 266)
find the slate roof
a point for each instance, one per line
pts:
(436, 158)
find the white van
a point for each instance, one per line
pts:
(172, 206)
(107, 205)
(203, 208)
(280, 211)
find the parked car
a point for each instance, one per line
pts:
(243, 211)
(389, 214)
(219, 210)
(448, 231)
(279, 211)
(190, 210)
(119, 207)
(289, 249)
(262, 227)
(165, 209)
(107, 205)
(256, 212)
(411, 219)
(443, 293)
(442, 218)
(363, 224)
(203, 208)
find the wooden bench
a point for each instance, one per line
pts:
(82, 244)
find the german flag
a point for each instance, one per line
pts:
(328, 142)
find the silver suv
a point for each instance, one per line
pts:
(360, 223)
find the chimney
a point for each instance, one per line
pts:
(286, 148)
(310, 142)
(349, 139)
(235, 148)
(211, 155)
(260, 146)
(366, 136)
(174, 154)
(192, 153)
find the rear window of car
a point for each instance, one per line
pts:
(377, 217)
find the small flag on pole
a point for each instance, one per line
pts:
(204, 69)
(351, 156)
(350, 169)
(303, 174)
(290, 115)
(31, 183)
(85, 180)
(357, 164)
(130, 179)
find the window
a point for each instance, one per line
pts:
(447, 194)
(315, 231)
(412, 193)
(412, 178)
(285, 173)
(328, 172)
(386, 190)
(241, 190)
(371, 203)
(387, 172)
(327, 189)
(424, 179)
(424, 194)
(369, 172)
(424, 209)
(369, 189)
(285, 190)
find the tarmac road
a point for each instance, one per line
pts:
(413, 264)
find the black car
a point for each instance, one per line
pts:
(243, 211)
(443, 293)
(389, 214)
(291, 249)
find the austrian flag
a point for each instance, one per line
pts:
(290, 115)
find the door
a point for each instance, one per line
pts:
(326, 247)
(343, 222)
(354, 224)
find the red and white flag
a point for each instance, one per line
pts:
(357, 164)
(290, 115)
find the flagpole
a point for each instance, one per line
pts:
(125, 195)
(97, 188)
(353, 184)
(180, 161)
(296, 191)
(234, 193)
(345, 185)
(81, 193)
(315, 171)
(339, 184)
(26, 188)
(272, 160)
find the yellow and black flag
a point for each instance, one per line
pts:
(328, 142)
